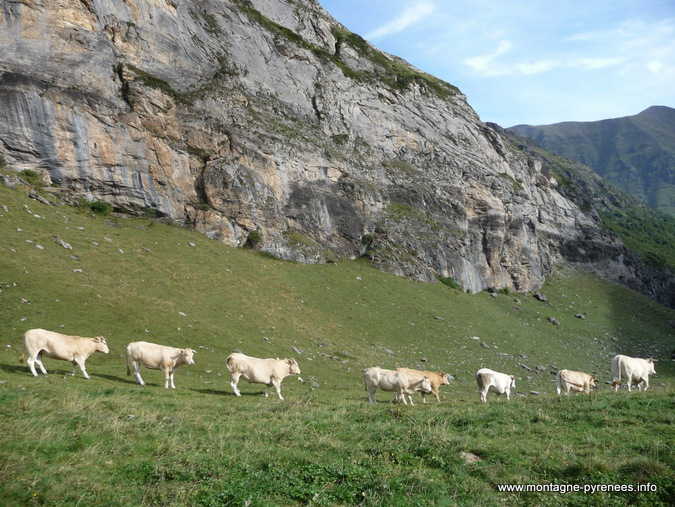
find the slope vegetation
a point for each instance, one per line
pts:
(75, 271)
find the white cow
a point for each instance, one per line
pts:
(260, 371)
(157, 357)
(633, 369)
(401, 382)
(76, 349)
(496, 382)
(574, 380)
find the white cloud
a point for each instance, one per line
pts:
(655, 67)
(408, 17)
(599, 63)
(486, 63)
(536, 67)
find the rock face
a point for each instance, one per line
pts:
(267, 121)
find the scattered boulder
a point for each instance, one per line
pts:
(580, 316)
(65, 245)
(540, 297)
(553, 321)
(484, 345)
(469, 457)
(525, 366)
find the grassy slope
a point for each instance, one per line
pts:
(66, 439)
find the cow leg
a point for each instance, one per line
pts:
(171, 380)
(80, 363)
(401, 397)
(234, 379)
(167, 377)
(277, 386)
(371, 395)
(137, 372)
(31, 365)
(38, 360)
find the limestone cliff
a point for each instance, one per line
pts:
(267, 121)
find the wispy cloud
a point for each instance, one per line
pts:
(408, 17)
(485, 64)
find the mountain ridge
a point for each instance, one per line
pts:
(636, 153)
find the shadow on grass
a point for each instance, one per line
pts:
(223, 392)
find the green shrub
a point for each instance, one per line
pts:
(449, 282)
(254, 240)
(31, 177)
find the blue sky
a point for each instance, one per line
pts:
(531, 61)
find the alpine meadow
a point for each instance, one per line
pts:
(108, 441)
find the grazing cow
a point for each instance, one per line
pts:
(260, 371)
(157, 357)
(633, 369)
(574, 380)
(402, 382)
(496, 382)
(76, 349)
(435, 379)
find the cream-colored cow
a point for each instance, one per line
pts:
(575, 381)
(633, 369)
(401, 382)
(435, 379)
(489, 380)
(157, 357)
(260, 371)
(75, 349)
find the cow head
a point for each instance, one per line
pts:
(101, 345)
(513, 381)
(591, 381)
(293, 368)
(651, 371)
(187, 356)
(444, 379)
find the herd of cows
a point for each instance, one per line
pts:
(270, 372)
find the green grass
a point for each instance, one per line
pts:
(108, 441)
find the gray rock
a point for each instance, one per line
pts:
(231, 126)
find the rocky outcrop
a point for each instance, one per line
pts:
(268, 120)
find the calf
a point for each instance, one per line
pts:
(260, 371)
(76, 349)
(157, 357)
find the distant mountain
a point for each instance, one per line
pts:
(636, 153)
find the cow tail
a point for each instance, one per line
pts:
(23, 356)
